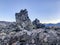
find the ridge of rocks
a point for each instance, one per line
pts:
(25, 32)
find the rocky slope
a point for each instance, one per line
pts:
(25, 32)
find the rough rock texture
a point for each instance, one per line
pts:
(23, 20)
(21, 32)
(34, 37)
(37, 24)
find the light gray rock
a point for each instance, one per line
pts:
(17, 33)
(23, 20)
(34, 37)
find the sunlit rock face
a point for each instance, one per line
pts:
(23, 20)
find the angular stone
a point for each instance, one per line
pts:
(37, 24)
(23, 20)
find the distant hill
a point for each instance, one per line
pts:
(4, 23)
(57, 25)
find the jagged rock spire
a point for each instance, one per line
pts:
(23, 20)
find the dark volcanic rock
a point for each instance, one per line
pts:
(37, 24)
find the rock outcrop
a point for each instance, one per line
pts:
(37, 24)
(21, 32)
(23, 20)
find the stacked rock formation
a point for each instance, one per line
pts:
(23, 20)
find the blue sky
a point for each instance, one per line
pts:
(47, 11)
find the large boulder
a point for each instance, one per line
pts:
(37, 24)
(23, 20)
